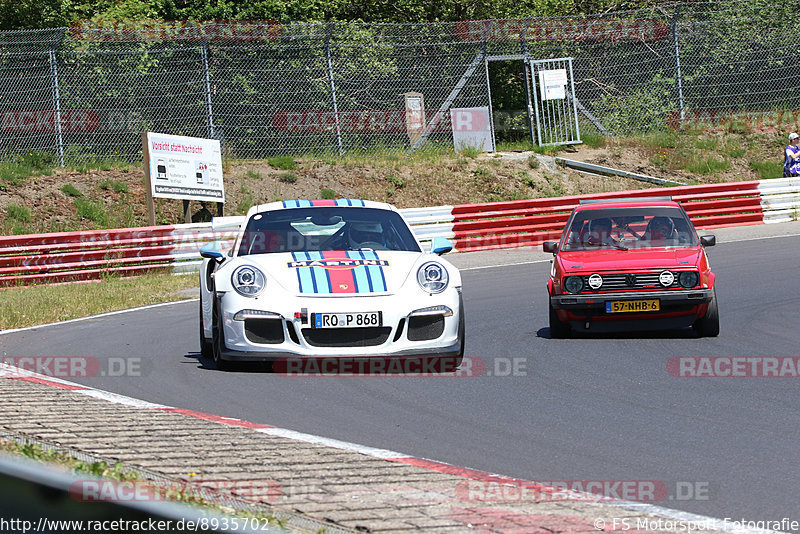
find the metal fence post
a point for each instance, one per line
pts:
(678, 59)
(57, 106)
(207, 81)
(527, 71)
(333, 87)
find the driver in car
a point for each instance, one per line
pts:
(366, 235)
(600, 232)
(661, 229)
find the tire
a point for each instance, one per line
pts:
(461, 337)
(708, 325)
(558, 328)
(217, 341)
(206, 346)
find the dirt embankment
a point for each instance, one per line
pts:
(116, 197)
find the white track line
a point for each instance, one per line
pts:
(99, 315)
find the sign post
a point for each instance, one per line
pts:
(182, 168)
(415, 115)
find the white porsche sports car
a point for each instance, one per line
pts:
(328, 278)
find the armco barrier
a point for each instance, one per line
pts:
(58, 257)
(66, 256)
(521, 223)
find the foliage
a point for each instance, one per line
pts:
(767, 169)
(70, 190)
(469, 152)
(53, 13)
(114, 185)
(594, 140)
(18, 213)
(93, 211)
(288, 178)
(285, 163)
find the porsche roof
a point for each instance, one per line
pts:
(300, 203)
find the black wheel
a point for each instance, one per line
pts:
(461, 336)
(206, 348)
(558, 328)
(708, 325)
(217, 341)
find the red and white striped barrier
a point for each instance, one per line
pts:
(65, 256)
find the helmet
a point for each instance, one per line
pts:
(600, 225)
(661, 227)
(361, 233)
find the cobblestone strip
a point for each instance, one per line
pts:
(343, 487)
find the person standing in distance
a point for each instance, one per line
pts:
(791, 156)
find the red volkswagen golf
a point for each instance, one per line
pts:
(631, 264)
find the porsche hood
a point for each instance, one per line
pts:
(338, 273)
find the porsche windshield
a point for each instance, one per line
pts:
(626, 228)
(326, 228)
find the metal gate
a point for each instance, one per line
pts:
(554, 102)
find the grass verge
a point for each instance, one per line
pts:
(34, 305)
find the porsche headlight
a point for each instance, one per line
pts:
(248, 281)
(573, 284)
(433, 277)
(688, 279)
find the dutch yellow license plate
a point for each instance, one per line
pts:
(633, 306)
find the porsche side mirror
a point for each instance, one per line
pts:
(440, 245)
(212, 251)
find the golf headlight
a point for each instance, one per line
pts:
(248, 281)
(688, 279)
(573, 284)
(433, 277)
(666, 278)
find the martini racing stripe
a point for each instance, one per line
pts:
(311, 279)
(349, 202)
(374, 274)
(319, 203)
(339, 278)
(297, 204)
(342, 279)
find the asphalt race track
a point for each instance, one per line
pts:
(594, 408)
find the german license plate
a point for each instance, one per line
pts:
(346, 320)
(633, 306)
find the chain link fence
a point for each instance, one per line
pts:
(263, 88)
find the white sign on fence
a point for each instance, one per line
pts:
(471, 128)
(188, 168)
(552, 84)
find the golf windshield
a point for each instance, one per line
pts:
(625, 228)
